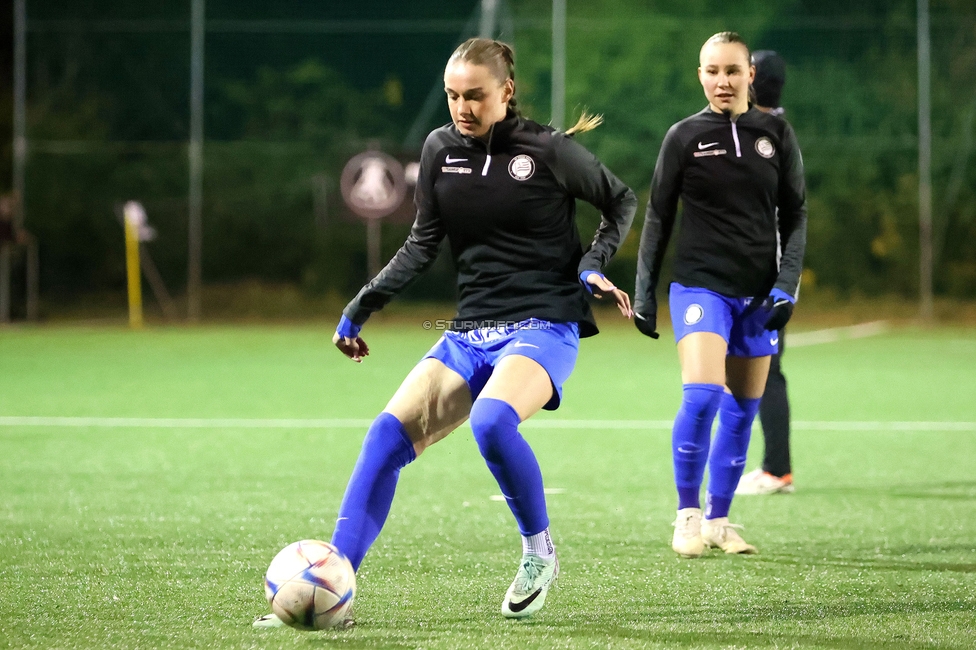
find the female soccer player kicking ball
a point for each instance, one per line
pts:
(732, 166)
(502, 189)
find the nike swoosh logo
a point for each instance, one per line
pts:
(525, 345)
(450, 160)
(773, 341)
(518, 607)
(706, 146)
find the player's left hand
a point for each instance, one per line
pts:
(599, 286)
(647, 324)
(780, 305)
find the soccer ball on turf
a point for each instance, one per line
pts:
(310, 585)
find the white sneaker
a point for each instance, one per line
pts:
(760, 482)
(528, 592)
(719, 533)
(687, 539)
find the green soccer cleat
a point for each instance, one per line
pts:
(528, 592)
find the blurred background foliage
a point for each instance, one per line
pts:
(295, 88)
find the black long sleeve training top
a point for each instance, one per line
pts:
(507, 207)
(731, 176)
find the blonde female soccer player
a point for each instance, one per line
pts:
(732, 167)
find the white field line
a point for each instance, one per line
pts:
(796, 340)
(834, 334)
(800, 425)
(182, 423)
(258, 423)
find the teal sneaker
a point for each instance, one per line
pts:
(528, 592)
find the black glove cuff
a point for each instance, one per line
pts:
(779, 315)
(647, 325)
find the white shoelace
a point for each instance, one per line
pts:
(533, 568)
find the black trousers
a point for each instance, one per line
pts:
(774, 414)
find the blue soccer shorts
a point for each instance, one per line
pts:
(473, 354)
(736, 320)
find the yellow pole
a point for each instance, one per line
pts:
(132, 269)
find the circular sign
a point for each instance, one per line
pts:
(373, 184)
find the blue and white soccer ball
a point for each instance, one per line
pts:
(310, 585)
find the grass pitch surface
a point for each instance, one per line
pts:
(155, 532)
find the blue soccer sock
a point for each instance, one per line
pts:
(728, 457)
(512, 463)
(690, 439)
(386, 450)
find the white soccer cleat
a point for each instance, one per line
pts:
(760, 482)
(528, 592)
(719, 533)
(687, 540)
(268, 621)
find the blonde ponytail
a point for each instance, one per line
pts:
(586, 122)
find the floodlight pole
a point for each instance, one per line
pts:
(20, 153)
(20, 107)
(489, 14)
(924, 161)
(558, 63)
(195, 218)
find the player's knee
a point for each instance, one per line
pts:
(740, 408)
(701, 401)
(493, 422)
(387, 439)
(738, 413)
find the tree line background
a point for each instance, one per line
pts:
(286, 107)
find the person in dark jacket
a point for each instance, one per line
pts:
(502, 190)
(775, 476)
(739, 175)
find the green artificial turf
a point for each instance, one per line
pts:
(157, 537)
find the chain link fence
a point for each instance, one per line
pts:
(293, 90)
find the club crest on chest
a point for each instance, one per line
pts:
(521, 168)
(765, 147)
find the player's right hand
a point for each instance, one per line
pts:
(647, 324)
(347, 339)
(354, 348)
